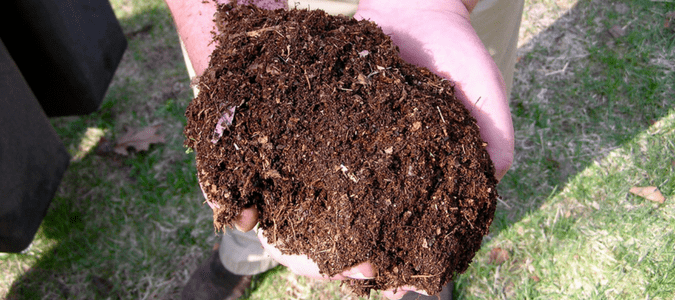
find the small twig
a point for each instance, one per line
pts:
(307, 77)
(628, 24)
(279, 33)
(467, 219)
(502, 202)
(559, 71)
(475, 104)
(439, 112)
(422, 276)
(257, 32)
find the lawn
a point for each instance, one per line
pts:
(593, 109)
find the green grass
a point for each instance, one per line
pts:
(584, 137)
(593, 115)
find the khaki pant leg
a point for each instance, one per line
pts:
(242, 253)
(332, 7)
(497, 23)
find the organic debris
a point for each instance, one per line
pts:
(348, 153)
(498, 256)
(650, 193)
(138, 140)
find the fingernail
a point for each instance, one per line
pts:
(358, 275)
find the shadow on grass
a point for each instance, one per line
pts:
(580, 92)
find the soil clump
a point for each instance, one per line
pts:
(349, 153)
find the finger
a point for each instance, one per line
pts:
(399, 292)
(298, 264)
(360, 271)
(247, 219)
(304, 266)
(390, 294)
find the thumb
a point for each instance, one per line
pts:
(247, 219)
(360, 271)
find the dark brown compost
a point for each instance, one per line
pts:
(349, 153)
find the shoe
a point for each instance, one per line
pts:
(445, 294)
(212, 281)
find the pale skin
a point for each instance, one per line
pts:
(429, 33)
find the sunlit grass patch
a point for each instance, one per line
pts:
(593, 240)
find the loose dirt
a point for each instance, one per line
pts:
(349, 153)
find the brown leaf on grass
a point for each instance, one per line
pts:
(670, 17)
(498, 256)
(617, 31)
(139, 140)
(651, 193)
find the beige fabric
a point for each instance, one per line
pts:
(496, 22)
(333, 7)
(242, 253)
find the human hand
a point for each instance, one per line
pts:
(194, 21)
(437, 34)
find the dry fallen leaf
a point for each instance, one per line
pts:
(651, 193)
(139, 140)
(670, 17)
(617, 31)
(498, 256)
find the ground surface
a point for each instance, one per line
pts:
(593, 116)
